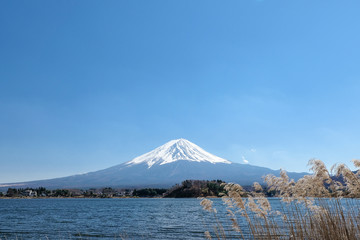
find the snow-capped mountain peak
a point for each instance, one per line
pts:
(177, 150)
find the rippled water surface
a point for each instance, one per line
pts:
(115, 218)
(103, 219)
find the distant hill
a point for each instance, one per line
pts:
(196, 188)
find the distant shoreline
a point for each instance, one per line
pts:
(103, 197)
(187, 189)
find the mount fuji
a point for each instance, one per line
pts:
(171, 163)
(177, 150)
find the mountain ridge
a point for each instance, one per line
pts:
(169, 164)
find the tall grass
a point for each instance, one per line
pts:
(316, 206)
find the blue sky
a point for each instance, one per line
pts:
(86, 85)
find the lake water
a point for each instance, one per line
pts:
(103, 219)
(111, 218)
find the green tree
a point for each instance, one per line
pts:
(12, 192)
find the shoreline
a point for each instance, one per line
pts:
(212, 197)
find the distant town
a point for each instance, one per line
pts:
(188, 188)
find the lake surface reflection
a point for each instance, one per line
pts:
(102, 218)
(112, 218)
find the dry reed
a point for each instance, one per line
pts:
(316, 206)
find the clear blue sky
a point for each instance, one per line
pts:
(86, 85)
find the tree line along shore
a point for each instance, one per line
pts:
(187, 189)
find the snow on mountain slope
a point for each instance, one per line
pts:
(177, 150)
